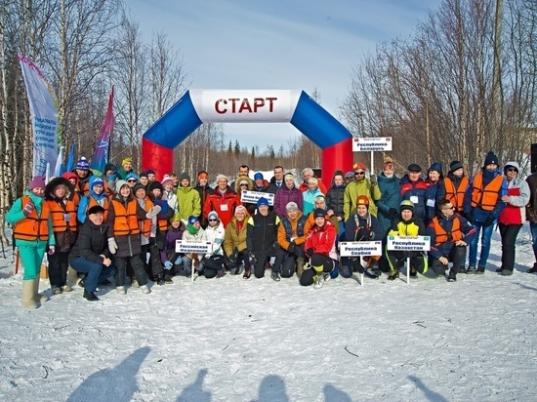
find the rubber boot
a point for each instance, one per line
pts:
(28, 290)
(72, 277)
(299, 266)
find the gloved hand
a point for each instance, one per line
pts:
(392, 213)
(51, 250)
(490, 220)
(292, 247)
(153, 212)
(28, 208)
(309, 252)
(168, 265)
(112, 245)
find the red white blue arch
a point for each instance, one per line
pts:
(224, 106)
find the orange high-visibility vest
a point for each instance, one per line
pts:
(456, 195)
(145, 224)
(486, 197)
(106, 205)
(34, 226)
(58, 210)
(442, 236)
(126, 219)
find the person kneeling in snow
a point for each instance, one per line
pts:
(450, 235)
(90, 254)
(361, 226)
(214, 261)
(171, 260)
(235, 246)
(194, 232)
(321, 249)
(407, 225)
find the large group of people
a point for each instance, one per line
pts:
(122, 227)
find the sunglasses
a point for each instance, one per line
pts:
(131, 181)
(359, 173)
(511, 170)
(213, 220)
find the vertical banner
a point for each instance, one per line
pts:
(100, 155)
(43, 115)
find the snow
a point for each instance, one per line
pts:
(233, 340)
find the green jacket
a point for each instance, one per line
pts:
(188, 203)
(15, 214)
(356, 188)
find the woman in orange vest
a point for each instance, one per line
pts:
(124, 216)
(96, 196)
(455, 185)
(482, 206)
(450, 235)
(59, 198)
(32, 225)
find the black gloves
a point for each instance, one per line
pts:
(292, 247)
(309, 252)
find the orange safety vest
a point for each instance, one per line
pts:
(162, 224)
(126, 219)
(58, 210)
(145, 224)
(106, 205)
(487, 197)
(442, 236)
(33, 227)
(456, 195)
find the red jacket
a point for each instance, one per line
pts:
(223, 204)
(322, 239)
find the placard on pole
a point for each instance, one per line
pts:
(372, 144)
(408, 243)
(360, 249)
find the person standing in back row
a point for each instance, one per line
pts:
(531, 212)
(513, 215)
(482, 206)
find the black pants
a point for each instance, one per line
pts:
(316, 260)
(261, 258)
(137, 266)
(285, 263)
(396, 260)
(234, 261)
(213, 265)
(509, 234)
(57, 268)
(154, 268)
(457, 255)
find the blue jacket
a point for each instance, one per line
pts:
(444, 250)
(390, 199)
(434, 195)
(417, 193)
(359, 229)
(84, 201)
(477, 215)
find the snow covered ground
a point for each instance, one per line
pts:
(235, 340)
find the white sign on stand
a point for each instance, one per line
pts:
(371, 144)
(251, 197)
(360, 249)
(408, 243)
(193, 247)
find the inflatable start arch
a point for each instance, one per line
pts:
(227, 106)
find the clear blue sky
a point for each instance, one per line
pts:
(241, 44)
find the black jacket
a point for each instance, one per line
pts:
(92, 242)
(261, 232)
(335, 199)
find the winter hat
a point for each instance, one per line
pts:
(137, 187)
(319, 213)
(414, 167)
(362, 200)
(119, 184)
(175, 218)
(436, 167)
(192, 219)
(291, 206)
(388, 159)
(240, 208)
(491, 158)
(37, 181)
(70, 175)
(262, 201)
(82, 164)
(153, 185)
(349, 175)
(96, 181)
(289, 174)
(166, 178)
(126, 161)
(455, 165)
(213, 215)
(258, 176)
(359, 166)
(512, 165)
(406, 204)
(203, 175)
(96, 209)
(131, 176)
(184, 176)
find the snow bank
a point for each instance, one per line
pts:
(235, 340)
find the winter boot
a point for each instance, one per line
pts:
(299, 266)
(145, 289)
(39, 297)
(275, 276)
(480, 270)
(533, 270)
(471, 270)
(507, 272)
(247, 274)
(393, 275)
(318, 281)
(56, 290)
(452, 277)
(28, 294)
(121, 290)
(90, 296)
(168, 279)
(72, 277)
